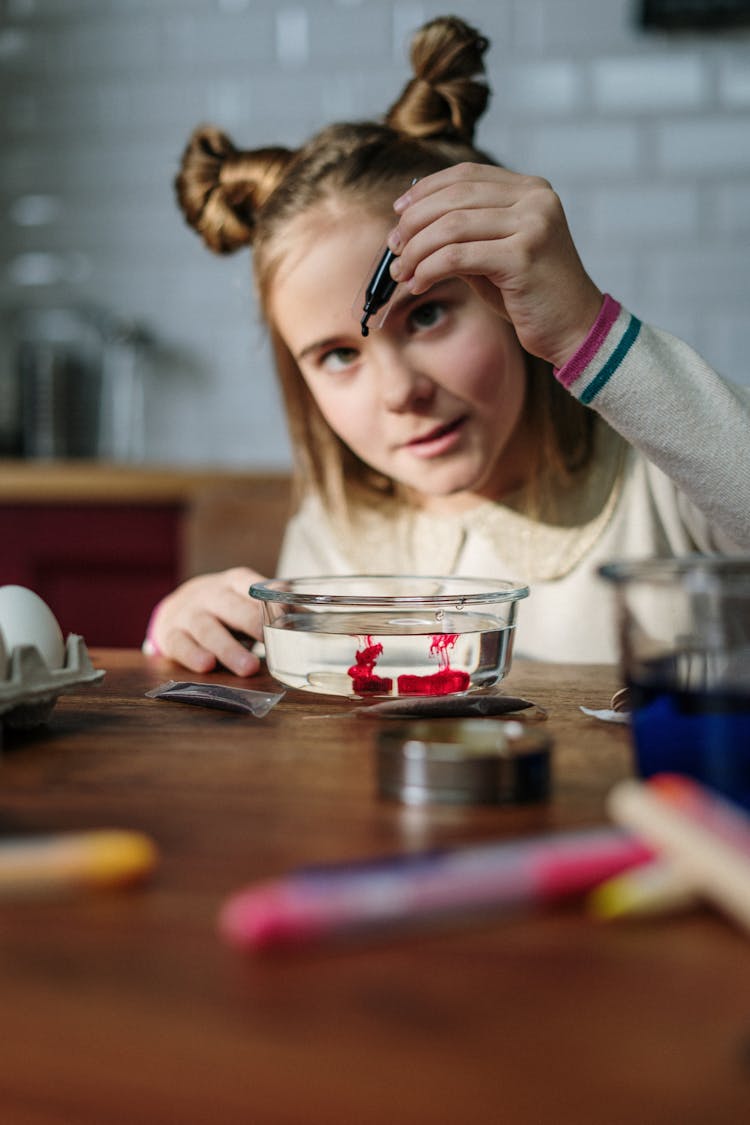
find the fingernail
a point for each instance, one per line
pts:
(394, 241)
(396, 269)
(246, 665)
(402, 202)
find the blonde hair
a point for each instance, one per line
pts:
(235, 198)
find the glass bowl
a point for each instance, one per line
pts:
(366, 636)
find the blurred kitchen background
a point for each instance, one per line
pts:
(122, 337)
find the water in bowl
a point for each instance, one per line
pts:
(388, 654)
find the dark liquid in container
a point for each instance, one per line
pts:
(703, 733)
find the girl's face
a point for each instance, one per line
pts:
(433, 399)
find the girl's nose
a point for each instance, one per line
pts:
(403, 385)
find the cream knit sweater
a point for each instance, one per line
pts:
(681, 484)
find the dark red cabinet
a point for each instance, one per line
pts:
(102, 543)
(100, 567)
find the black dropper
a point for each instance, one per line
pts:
(380, 289)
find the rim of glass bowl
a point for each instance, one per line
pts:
(490, 590)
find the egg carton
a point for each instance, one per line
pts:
(31, 689)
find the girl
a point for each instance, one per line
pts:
(507, 419)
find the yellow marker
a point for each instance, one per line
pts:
(74, 861)
(650, 889)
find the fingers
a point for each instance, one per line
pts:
(473, 204)
(462, 180)
(501, 231)
(466, 187)
(182, 648)
(209, 642)
(199, 623)
(460, 243)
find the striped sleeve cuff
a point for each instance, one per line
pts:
(602, 352)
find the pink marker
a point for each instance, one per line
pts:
(317, 903)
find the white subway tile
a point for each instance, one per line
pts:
(42, 268)
(528, 26)
(111, 107)
(552, 87)
(35, 210)
(583, 149)
(211, 42)
(581, 26)
(101, 46)
(671, 316)
(728, 343)
(20, 9)
(292, 37)
(22, 112)
(707, 273)
(407, 18)
(704, 146)
(228, 103)
(651, 83)
(14, 44)
(734, 80)
(730, 207)
(351, 38)
(614, 270)
(644, 212)
(356, 96)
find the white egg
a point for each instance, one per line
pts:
(27, 620)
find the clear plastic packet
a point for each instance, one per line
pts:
(224, 698)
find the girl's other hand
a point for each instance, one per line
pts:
(194, 625)
(507, 236)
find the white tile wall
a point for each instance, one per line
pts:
(705, 147)
(645, 136)
(652, 84)
(734, 81)
(292, 37)
(668, 213)
(579, 27)
(730, 210)
(550, 89)
(571, 152)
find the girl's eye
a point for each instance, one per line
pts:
(427, 315)
(338, 359)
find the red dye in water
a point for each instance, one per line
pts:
(443, 682)
(364, 680)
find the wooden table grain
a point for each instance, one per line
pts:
(126, 1006)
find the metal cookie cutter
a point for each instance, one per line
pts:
(464, 761)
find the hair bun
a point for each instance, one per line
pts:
(220, 188)
(445, 96)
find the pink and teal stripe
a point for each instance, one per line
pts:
(612, 336)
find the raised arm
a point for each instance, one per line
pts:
(507, 236)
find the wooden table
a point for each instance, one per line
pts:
(126, 1007)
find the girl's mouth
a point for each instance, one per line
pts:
(439, 440)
